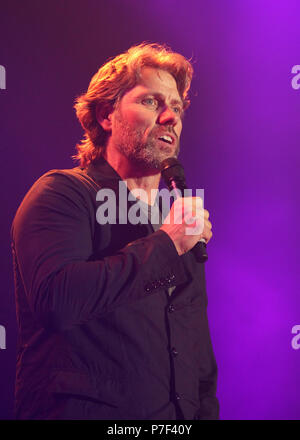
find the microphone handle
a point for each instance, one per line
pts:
(200, 252)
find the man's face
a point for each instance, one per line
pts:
(146, 125)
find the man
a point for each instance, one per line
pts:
(112, 317)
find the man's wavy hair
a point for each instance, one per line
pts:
(113, 80)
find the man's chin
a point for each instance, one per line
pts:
(169, 152)
(150, 158)
(148, 163)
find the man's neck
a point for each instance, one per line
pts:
(136, 178)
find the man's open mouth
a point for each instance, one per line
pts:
(166, 138)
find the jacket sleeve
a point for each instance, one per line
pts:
(209, 404)
(52, 239)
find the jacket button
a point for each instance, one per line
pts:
(148, 288)
(171, 308)
(174, 351)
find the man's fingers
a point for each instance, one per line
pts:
(207, 235)
(208, 224)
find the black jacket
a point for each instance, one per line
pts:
(96, 322)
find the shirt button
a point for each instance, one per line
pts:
(174, 351)
(171, 308)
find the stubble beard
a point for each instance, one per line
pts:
(147, 154)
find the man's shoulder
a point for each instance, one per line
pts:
(58, 186)
(68, 179)
(76, 174)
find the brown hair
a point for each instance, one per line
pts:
(113, 80)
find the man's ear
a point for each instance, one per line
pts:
(103, 115)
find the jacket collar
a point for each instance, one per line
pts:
(104, 174)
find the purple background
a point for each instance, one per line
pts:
(240, 142)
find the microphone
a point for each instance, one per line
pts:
(173, 175)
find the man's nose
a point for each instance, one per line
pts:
(168, 116)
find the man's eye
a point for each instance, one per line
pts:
(151, 102)
(177, 110)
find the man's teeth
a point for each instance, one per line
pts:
(167, 139)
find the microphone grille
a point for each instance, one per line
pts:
(171, 169)
(171, 165)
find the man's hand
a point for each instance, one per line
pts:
(186, 223)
